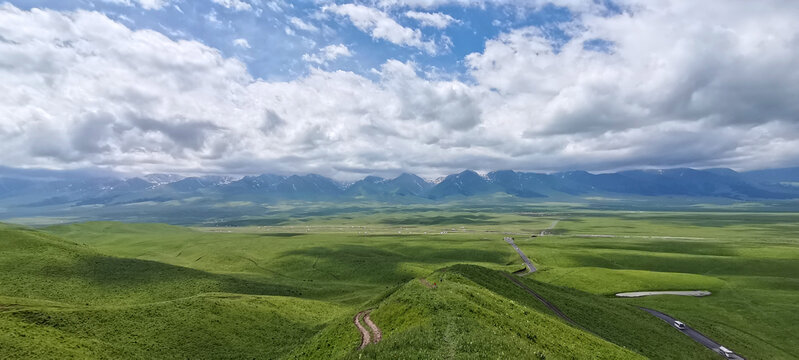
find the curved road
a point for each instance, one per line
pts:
(696, 335)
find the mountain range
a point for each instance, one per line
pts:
(31, 188)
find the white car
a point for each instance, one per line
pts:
(726, 352)
(679, 324)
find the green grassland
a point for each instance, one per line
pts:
(289, 288)
(748, 261)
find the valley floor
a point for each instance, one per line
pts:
(390, 286)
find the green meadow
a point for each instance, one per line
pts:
(270, 288)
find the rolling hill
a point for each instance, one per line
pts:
(63, 298)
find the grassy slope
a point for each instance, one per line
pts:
(463, 319)
(205, 326)
(40, 266)
(62, 299)
(127, 308)
(748, 261)
(348, 268)
(142, 308)
(619, 323)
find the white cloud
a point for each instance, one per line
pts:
(654, 99)
(573, 5)
(138, 101)
(276, 6)
(146, 4)
(381, 26)
(720, 90)
(243, 43)
(328, 53)
(211, 18)
(437, 20)
(298, 23)
(237, 5)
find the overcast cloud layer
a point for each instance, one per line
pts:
(629, 85)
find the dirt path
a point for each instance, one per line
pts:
(378, 335)
(367, 338)
(426, 283)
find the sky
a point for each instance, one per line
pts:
(432, 87)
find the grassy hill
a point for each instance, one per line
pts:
(748, 261)
(61, 298)
(115, 290)
(461, 318)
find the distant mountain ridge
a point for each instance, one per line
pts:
(19, 189)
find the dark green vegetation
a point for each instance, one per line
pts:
(116, 290)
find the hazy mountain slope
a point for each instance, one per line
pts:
(403, 185)
(55, 192)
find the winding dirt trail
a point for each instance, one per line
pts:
(366, 337)
(378, 335)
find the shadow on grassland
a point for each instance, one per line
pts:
(137, 278)
(388, 264)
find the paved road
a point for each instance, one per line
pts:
(530, 267)
(696, 335)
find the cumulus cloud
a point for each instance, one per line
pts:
(437, 20)
(381, 26)
(709, 78)
(81, 89)
(328, 53)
